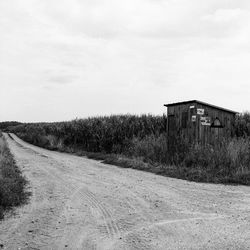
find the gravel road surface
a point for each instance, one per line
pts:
(78, 203)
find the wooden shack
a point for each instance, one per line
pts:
(199, 122)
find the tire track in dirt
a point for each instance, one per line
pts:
(111, 228)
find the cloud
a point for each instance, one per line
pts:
(61, 78)
(147, 18)
(226, 15)
(120, 56)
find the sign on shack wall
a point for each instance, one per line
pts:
(200, 111)
(206, 121)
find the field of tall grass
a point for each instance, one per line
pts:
(109, 134)
(12, 183)
(141, 142)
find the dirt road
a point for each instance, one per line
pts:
(79, 203)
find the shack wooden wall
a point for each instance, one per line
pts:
(194, 131)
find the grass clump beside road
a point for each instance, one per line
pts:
(227, 161)
(12, 183)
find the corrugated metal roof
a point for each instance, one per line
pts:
(203, 103)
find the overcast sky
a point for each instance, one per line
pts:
(62, 59)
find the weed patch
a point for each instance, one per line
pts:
(12, 183)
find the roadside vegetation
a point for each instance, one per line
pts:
(6, 125)
(12, 183)
(140, 142)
